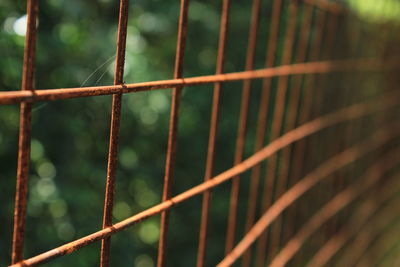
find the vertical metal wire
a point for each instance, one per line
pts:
(294, 100)
(305, 113)
(323, 193)
(278, 118)
(371, 207)
(241, 137)
(262, 122)
(322, 172)
(173, 129)
(277, 124)
(223, 32)
(348, 131)
(362, 240)
(24, 144)
(295, 107)
(342, 199)
(321, 106)
(308, 90)
(325, 53)
(383, 243)
(357, 132)
(114, 130)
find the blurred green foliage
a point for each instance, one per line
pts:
(377, 11)
(76, 47)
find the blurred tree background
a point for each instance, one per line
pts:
(76, 47)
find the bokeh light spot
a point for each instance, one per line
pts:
(121, 210)
(19, 26)
(149, 232)
(128, 158)
(46, 170)
(144, 261)
(37, 150)
(58, 208)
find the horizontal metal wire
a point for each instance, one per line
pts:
(285, 199)
(340, 201)
(24, 143)
(387, 101)
(294, 193)
(13, 97)
(114, 131)
(370, 208)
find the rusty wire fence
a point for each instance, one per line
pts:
(323, 184)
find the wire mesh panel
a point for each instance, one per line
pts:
(315, 152)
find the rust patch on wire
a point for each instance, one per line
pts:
(319, 67)
(173, 129)
(278, 118)
(293, 105)
(346, 114)
(340, 201)
(367, 212)
(242, 128)
(114, 130)
(211, 151)
(24, 144)
(262, 122)
(340, 160)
